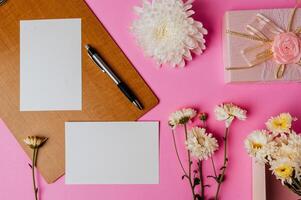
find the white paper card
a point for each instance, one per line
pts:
(50, 65)
(112, 152)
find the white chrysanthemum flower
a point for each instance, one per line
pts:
(283, 169)
(281, 123)
(167, 32)
(293, 151)
(260, 146)
(181, 117)
(294, 143)
(201, 144)
(228, 112)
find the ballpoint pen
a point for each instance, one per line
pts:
(106, 69)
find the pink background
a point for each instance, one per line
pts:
(200, 85)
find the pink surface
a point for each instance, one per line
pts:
(200, 85)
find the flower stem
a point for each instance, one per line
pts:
(213, 166)
(189, 166)
(188, 153)
(221, 177)
(177, 153)
(201, 179)
(34, 160)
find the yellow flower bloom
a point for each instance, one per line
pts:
(281, 123)
(283, 168)
(284, 171)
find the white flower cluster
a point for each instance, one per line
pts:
(167, 32)
(279, 147)
(202, 145)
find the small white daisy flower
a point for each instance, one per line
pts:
(201, 144)
(167, 32)
(181, 117)
(228, 112)
(259, 145)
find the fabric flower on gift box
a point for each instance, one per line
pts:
(281, 45)
(166, 31)
(287, 48)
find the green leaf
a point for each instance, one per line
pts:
(220, 179)
(196, 182)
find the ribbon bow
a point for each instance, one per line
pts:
(283, 46)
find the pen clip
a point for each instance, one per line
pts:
(96, 63)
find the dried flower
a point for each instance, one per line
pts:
(228, 112)
(181, 117)
(201, 144)
(167, 32)
(281, 123)
(35, 141)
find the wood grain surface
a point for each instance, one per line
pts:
(102, 101)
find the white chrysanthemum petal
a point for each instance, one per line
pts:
(187, 7)
(201, 144)
(197, 51)
(220, 113)
(187, 55)
(189, 13)
(165, 30)
(138, 10)
(189, 2)
(228, 112)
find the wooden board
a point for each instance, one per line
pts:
(102, 101)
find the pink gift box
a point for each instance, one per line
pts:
(233, 46)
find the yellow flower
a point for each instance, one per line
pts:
(281, 123)
(283, 168)
(284, 171)
(35, 141)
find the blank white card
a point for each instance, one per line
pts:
(50, 65)
(112, 153)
